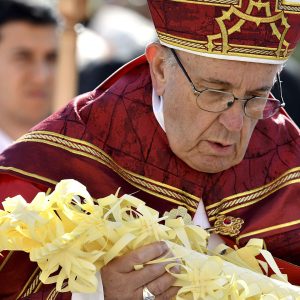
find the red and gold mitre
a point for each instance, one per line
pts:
(264, 31)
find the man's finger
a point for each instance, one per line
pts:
(151, 272)
(140, 256)
(160, 285)
(169, 294)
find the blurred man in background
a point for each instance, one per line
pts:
(28, 46)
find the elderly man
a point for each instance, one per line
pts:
(190, 124)
(28, 49)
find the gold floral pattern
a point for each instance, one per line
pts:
(227, 225)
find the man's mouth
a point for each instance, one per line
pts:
(38, 94)
(221, 148)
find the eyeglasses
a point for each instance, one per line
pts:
(217, 101)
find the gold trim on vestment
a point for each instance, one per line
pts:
(6, 260)
(54, 293)
(38, 287)
(267, 229)
(248, 198)
(254, 201)
(28, 174)
(33, 281)
(88, 150)
(35, 285)
(282, 178)
(141, 188)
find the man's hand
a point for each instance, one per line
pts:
(73, 11)
(121, 281)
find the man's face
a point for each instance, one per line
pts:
(27, 61)
(211, 142)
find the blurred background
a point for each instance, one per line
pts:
(109, 34)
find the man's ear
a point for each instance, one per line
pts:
(156, 56)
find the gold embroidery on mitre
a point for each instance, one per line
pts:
(213, 2)
(180, 212)
(290, 7)
(227, 225)
(283, 46)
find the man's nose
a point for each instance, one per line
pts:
(233, 118)
(41, 72)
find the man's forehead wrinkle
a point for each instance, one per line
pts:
(218, 81)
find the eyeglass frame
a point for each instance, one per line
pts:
(196, 91)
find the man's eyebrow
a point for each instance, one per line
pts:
(18, 49)
(264, 88)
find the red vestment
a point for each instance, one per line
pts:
(109, 138)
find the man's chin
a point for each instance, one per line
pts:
(213, 165)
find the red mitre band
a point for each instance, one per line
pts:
(264, 31)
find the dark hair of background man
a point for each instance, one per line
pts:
(25, 10)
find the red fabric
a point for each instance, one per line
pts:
(11, 186)
(16, 272)
(228, 28)
(109, 138)
(292, 270)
